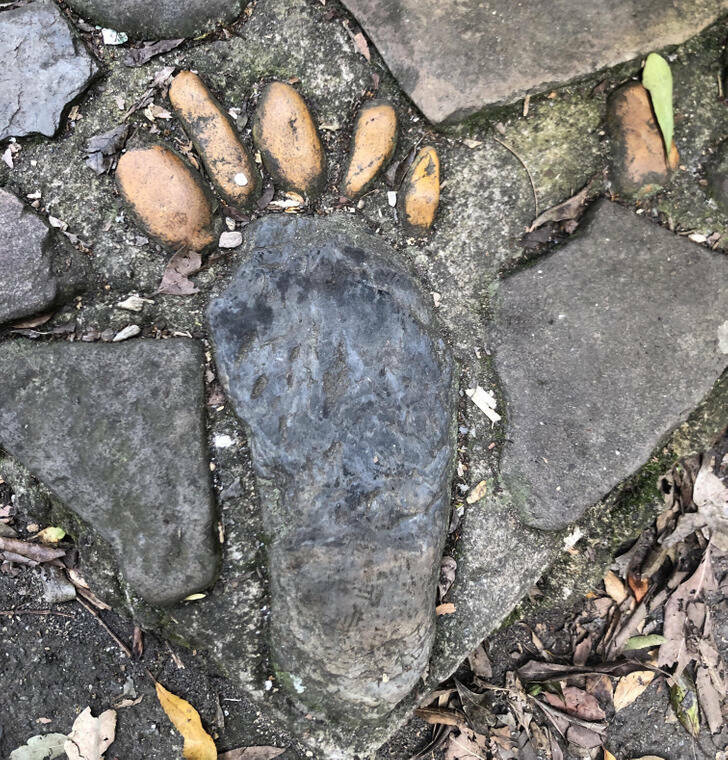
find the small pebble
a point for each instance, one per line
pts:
(230, 239)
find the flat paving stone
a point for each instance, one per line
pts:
(453, 59)
(602, 348)
(38, 266)
(159, 19)
(117, 433)
(333, 359)
(45, 66)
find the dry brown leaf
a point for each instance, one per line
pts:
(639, 586)
(198, 743)
(569, 209)
(175, 280)
(630, 687)
(709, 699)
(673, 650)
(581, 704)
(583, 737)
(90, 737)
(466, 746)
(447, 574)
(480, 663)
(445, 609)
(614, 587)
(251, 753)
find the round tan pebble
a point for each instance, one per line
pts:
(167, 197)
(286, 136)
(372, 146)
(419, 195)
(639, 166)
(229, 163)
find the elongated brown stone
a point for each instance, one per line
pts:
(228, 161)
(167, 197)
(419, 196)
(372, 146)
(285, 134)
(639, 167)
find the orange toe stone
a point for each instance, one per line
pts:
(227, 160)
(419, 195)
(167, 197)
(639, 165)
(285, 134)
(372, 146)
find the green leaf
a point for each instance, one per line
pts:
(643, 642)
(685, 703)
(657, 79)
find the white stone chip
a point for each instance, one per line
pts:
(391, 198)
(130, 331)
(223, 441)
(230, 239)
(133, 303)
(485, 401)
(240, 179)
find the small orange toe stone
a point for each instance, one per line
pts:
(419, 195)
(639, 165)
(229, 163)
(167, 197)
(372, 146)
(285, 134)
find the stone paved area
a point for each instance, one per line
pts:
(496, 173)
(455, 59)
(116, 432)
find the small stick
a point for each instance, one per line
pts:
(523, 163)
(124, 648)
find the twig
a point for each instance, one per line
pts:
(124, 648)
(523, 163)
(35, 612)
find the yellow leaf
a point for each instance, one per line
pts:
(630, 687)
(50, 535)
(198, 743)
(608, 755)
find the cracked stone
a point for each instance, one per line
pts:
(603, 347)
(116, 431)
(453, 59)
(332, 357)
(45, 67)
(40, 269)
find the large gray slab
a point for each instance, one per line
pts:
(602, 348)
(39, 268)
(453, 59)
(331, 355)
(155, 19)
(117, 433)
(45, 66)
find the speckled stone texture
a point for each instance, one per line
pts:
(331, 356)
(39, 268)
(44, 67)
(159, 19)
(117, 433)
(603, 347)
(453, 59)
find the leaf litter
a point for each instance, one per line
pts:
(648, 625)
